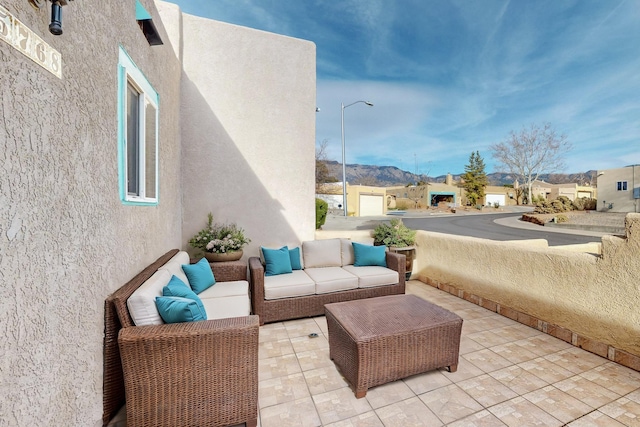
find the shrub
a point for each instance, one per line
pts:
(394, 234)
(562, 218)
(402, 205)
(585, 204)
(322, 208)
(496, 205)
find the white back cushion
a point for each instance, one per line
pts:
(174, 266)
(348, 258)
(142, 303)
(322, 253)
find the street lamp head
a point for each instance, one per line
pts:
(370, 104)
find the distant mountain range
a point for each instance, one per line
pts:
(387, 176)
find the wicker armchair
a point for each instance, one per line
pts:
(192, 374)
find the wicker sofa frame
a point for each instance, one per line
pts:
(199, 374)
(313, 305)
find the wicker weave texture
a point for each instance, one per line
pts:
(313, 305)
(195, 374)
(379, 340)
(191, 374)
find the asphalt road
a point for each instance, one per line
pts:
(483, 226)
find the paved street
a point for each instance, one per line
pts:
(494, 226)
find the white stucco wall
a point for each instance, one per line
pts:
(66, 240)
(248, 132)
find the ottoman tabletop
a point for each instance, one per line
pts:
(377, 340)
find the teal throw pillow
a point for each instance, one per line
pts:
(366, 255)
(177, 288)
(200, 275)
(277, 261)
(178, 310)
(294, 255)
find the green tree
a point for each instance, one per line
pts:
(475, 178)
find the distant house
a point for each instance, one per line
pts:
(572, 190)
(619, 189)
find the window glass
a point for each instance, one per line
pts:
(137, 134)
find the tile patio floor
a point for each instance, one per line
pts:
(508, 375)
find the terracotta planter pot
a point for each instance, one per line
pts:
(228, 256)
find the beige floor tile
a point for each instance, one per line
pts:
(269, 349)
(479, 419)
(545, 344)
(513, 352)
(411, 412)
(558, 403)
(389, 393)
(450, 403)
(519, 412)
(467, 345)
(302, 327)
(614, 377)
(282, 389)
(280, 366)
(368, 419)
(576, 360)
(340, 404)
(546, 370)
(475, 326)
(305, 343)
(314, 359)
(322, 380)
(299, 413)
(489, 338)
(588, 392)
(518, 379)
(487, 361)
(595, 419)
(272, 332)
(518, 332)
(465, 371)
(472, 313)
(487, 390)
(321, 321)
(428, 381)
(624, 410)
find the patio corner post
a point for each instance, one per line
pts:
(344, 168)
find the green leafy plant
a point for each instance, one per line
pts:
(322, 208)
(219, 238)
(394, 234)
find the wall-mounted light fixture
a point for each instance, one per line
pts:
(55, 27)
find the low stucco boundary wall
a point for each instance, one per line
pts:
(590, 300)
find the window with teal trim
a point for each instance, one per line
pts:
(137, 134)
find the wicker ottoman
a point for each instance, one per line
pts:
(374, 341)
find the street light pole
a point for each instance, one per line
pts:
(344, 168)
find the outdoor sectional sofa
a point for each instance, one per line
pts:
(327, 274)
(200, 373)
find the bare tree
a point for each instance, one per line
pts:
(322, 171)
(532, 152)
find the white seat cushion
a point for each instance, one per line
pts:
(174, 266)
(226, 289)
(332, 279)
(287, 285)
(142, 303)
(371, 276)
(322, 253)
(225, 307)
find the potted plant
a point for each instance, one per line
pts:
(220, 242)
(398, 238)
(395, 234)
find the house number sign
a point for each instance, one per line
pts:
(29, 43)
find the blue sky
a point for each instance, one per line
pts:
(451, 77)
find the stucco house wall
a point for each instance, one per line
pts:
(248, 130)
(610, 199)
(593, 296)
(66, 239)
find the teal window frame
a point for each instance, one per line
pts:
(130, 77)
